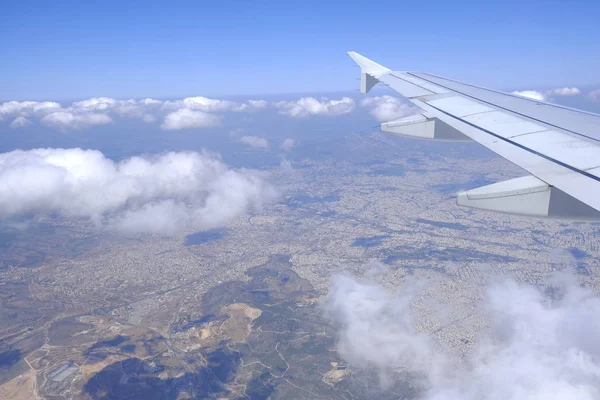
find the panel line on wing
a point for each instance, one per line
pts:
(528, 133)
(403, 87)
(479, 113)
(419, 82)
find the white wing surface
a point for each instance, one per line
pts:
(558, 146)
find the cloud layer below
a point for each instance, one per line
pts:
(191, 112)
(538, 346)
(164, 194)
(201, 112)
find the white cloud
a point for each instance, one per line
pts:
(307, 106)
(531, 94)
(594, 95)
(20, 122)
(64, 120)
(286, 166)
(387, 108)
(162, 194)
(375, 268)
(548, 94)
(123, 108)
(251, 105)
(80, 114)
(148, 118)
(287, 144)
(566, 91)
(255, 141)
(197, 112)
(187, 118)
(237, 132)
(95, 104)
(138, 109)
(166, 217)
(27, 108)
(206, 104)
(537, 347)
(189, 112)
(376, 329)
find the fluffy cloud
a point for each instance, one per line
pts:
(79, 115)
(146, 109)
(376, 329)
(187, 118)
(27, 108)
(594, 95)
(142, 109)
(191, 112)
(20, 122)
(531, 94)
(200, 103)
(255, 141)
(308, 106)
(95, 104)
(537, 347)
(237, 132)
(548, 94)
(163, 194)
(251, 105)
(375, 268)
(386, 108)
(148, 118)
(64, 120)
(287, 144)
(214, 105)
(566, 91)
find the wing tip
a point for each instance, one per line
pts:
(367, 65)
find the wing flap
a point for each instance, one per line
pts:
(527, 196)
(422, 127)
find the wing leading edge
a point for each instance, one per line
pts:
(558, 146)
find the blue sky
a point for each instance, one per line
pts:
(71, 50)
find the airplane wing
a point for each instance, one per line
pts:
(558, 146)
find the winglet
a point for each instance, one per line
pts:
(370, 71)
(368, 66)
